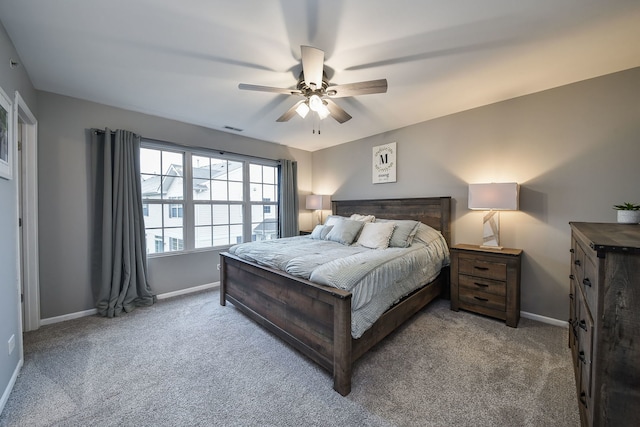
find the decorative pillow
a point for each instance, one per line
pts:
(332, 219)
(426, 234)
(403, 233)
(363, 218)
(345, 231)
(320, 231)
(376, 235)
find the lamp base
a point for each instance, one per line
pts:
(491, 230)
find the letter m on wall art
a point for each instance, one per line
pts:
(384, 163)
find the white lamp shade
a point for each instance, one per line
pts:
(318, 202)
(494, 196)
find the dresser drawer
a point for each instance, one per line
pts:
(481, 266)
(589, 283)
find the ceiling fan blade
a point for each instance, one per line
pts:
(289, 113)
(360, 88)
(245, 86)
(337, 112)
(312, 66)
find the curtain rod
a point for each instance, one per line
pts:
(197, 147)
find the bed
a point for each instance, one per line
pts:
(316, 319)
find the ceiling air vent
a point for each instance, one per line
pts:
(233, 129)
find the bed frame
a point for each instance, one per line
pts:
(316, 319)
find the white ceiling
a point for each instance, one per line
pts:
(183, 60)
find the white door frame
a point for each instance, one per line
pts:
(29, 179)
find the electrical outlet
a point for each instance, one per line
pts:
(12, 344)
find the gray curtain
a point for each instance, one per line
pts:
(124, 284)
(288, 198)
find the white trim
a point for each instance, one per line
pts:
(544, 319)
(12, 382)
(189, 290)
(85, 313)
(70, 316)
(29, 180)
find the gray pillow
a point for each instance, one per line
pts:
(403, 233)
(320, 231)
(345, 231)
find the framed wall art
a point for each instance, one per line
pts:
(6, 138)
(384, 163)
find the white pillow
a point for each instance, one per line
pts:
(376, 235)
(363, 218)
(333, 219)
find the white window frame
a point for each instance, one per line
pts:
(188, 219)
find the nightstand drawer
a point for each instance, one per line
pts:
(483, 299)
(476, 284)
(482, 267)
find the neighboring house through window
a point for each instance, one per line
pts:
(195, 199)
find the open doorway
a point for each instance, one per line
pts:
(27, 177)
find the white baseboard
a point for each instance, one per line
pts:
(70, 316)
(12, 382)
(189, 290)
(544, 319)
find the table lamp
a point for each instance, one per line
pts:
(317, 202)
(493, 197)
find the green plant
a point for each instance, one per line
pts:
(627, 207)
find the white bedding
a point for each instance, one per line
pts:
(377, 278)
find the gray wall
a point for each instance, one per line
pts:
(67, 269)
(11, 80)
(574, 150)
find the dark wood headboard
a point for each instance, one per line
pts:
(433, 211)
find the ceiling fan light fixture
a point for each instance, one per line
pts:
(323, 111)
(302, 110)
(315, 103)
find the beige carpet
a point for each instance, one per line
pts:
(188, 361)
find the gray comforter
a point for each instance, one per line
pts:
(377, 279)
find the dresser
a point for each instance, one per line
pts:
(486, 281)
(604, 322)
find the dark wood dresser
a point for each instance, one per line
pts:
(486, 281)
(604, 319)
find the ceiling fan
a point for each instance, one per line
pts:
(314, 87)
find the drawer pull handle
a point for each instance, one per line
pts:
(577, 262)
(583, 324)
(572, 250)
(583, 399)
(481, 284)
(572, 277)
(570, 296)
(586, 282)
(481, 299)
(480, 268)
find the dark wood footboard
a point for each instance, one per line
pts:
(316, 319)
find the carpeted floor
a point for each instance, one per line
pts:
(187, 361)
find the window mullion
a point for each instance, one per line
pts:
(189, 215)
(246, 203)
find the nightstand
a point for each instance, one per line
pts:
(304, 232)
(486, 281)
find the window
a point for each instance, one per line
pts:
(193, 199)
